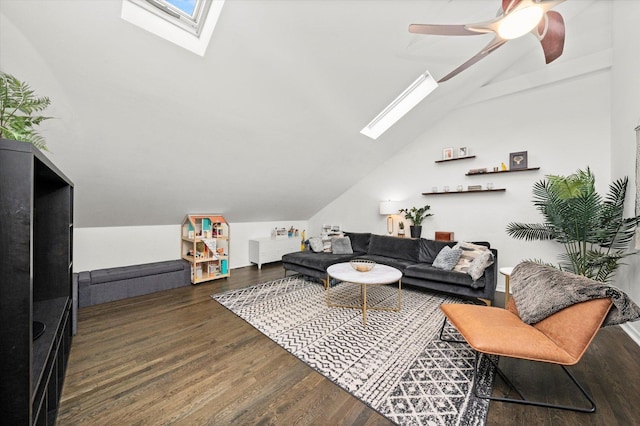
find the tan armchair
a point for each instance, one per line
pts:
(561, 338)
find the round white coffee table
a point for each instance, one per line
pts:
(379, 275)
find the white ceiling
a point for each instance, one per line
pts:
(266, 125)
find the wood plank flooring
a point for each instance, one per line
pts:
(178, 357)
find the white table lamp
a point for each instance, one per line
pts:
(388, 208)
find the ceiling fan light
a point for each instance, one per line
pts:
(520, 22)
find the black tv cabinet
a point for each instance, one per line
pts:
(36, 236)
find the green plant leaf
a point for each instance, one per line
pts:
(18, 104)
(416, 215)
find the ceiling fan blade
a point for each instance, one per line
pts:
(551, 34)
(508, 5)
(445, 30)
(495, 43)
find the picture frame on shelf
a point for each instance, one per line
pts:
(518, 160)
(447, 154)
(463, 151)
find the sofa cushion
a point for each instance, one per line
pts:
(429, 249)
(341, 246)
(359, 240)
(320, 261)
(447, 258)
(398, 248)
(428, 272)
(394, 262)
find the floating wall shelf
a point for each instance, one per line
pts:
(465, 192)
(502, 171)
(457, 158)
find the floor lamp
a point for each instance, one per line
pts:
(388, 208)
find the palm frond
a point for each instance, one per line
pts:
(18, 106)
(530, 231)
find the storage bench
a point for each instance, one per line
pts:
(106, 285)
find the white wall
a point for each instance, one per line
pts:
(625, 109)
(241, 233)
(563, 127)
(107, 247)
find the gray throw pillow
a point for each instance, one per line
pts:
(316, 244)
(341, 246)
(447, 258)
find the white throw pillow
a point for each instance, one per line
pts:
(316, 244)
(479, 264)
(471, 252)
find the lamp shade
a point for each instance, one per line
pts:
(388, 207)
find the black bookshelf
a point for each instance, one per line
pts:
(36, 232)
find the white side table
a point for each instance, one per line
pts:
(506, 271)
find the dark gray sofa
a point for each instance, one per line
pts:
(413, 257)
(106, 285)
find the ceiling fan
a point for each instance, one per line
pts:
(516, 18)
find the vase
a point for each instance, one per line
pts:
(416, 231)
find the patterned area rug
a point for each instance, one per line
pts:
(396, 364)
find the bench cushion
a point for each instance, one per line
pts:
(135, 271)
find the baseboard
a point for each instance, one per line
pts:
(632, 332)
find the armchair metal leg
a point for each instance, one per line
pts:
(524, 400)
(444, 323)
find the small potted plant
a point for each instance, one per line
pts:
(416, 216)
(401, 229)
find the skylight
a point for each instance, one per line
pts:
(408, 99)
(187, 23)
(187, 6)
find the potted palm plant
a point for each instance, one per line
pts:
(18, 107)
(416, 216)
(592, 229)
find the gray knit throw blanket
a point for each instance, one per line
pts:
(540, 291)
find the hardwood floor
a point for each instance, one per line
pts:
(178, 357)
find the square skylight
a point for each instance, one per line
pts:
(186, 6)
(187, 23)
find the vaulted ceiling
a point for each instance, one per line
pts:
(266, 125)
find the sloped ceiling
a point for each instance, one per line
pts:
(266, 125)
